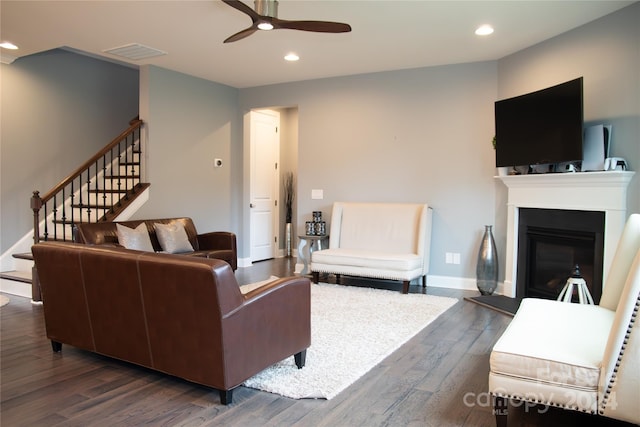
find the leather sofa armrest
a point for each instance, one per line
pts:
(219, 240)
(272, 323)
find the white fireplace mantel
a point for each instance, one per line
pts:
(587, 191)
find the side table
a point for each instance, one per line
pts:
(311, 243)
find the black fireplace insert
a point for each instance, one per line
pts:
(551, 242)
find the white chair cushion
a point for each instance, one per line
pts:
(368, 259)
(569, 356)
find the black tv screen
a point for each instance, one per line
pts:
(540, 127)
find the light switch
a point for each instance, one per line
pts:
(317, 194)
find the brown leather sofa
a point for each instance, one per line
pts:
(184, 316)
(217, 244)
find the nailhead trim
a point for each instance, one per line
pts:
(614, 376)
(555, 405)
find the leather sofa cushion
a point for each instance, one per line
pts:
(572, 357)
(368, 258)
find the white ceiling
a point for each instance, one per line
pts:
(387, 34)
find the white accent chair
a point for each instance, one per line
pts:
(576, 356)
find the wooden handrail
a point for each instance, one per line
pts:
(134, 124)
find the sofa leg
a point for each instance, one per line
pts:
(226, 396)
(501, 410)
(424, 281)
(56, 346)
(300, 358)
(405, 286)
(315, 276)
(337, 279)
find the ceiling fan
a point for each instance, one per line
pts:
(265, 17)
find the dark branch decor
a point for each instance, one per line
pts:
(289, 197)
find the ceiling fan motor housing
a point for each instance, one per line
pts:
(267, 7)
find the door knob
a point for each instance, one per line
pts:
(251, 205)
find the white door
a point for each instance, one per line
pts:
(264, 189)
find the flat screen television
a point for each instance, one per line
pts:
(540, 127)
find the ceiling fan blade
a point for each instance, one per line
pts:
(237, 4)
(242, 34)
(315, 26)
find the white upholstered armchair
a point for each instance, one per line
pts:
(579, 357)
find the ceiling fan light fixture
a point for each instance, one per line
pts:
(484, 30)
(265, 26)
(8, 45)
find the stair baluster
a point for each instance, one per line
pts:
(86, 181)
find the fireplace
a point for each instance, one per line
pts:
(602, 192)
(551, 243)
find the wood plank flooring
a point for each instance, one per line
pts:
(438, 378)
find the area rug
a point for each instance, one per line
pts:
(352, 330)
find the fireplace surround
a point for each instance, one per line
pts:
(604, 192)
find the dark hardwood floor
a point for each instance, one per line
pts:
(438, 378)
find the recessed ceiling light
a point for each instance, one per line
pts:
(8, 45)
(292, 57)
(484, 30)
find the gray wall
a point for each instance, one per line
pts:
(58, 109)
(606, 53)
(191, 122)
(420, 135)
(423, 135)
(412, 135)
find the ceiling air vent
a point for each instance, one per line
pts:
(135, 51)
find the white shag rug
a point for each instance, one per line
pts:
(352, 330)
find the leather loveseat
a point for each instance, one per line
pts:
(217, 244)
(184, 316)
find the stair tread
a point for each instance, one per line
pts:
(25, 255)
(122, 177)
(16, 275)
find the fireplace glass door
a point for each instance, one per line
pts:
(551, 243)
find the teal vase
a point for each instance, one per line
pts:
(487, 267)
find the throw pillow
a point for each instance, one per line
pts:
(173, 238)
(137, 238)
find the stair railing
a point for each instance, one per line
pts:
(92, 191)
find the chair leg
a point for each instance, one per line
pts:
(424, 281)
(501, 410)
(300, 358)
(56, 346)
(226, 396)
(405, 286)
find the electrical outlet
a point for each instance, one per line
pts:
(456, 258)
(452, 258)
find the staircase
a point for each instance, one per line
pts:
(99, 190)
